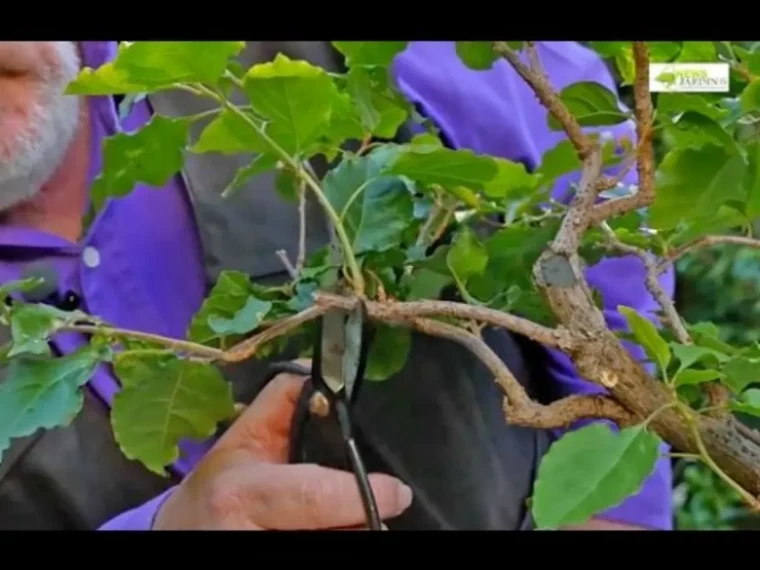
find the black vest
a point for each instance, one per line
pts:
(438, 424)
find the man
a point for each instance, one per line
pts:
(147, 261)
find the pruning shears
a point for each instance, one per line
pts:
(339, 360)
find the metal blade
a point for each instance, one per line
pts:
(333, 328)
(353, 328)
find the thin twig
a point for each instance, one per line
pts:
(306, 175)
(172, 343)
(609, 182)
(557, 338)
(292, 271)
(549, 98)
(652, 283)
(705, 241)
(247, 348)
(301, 259)
(716, 393)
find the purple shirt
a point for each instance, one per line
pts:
(116, 266)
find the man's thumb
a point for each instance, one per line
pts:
(264, 427)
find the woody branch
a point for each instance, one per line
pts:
(602, 358)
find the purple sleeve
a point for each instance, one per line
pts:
(140, 518)
(495, 112)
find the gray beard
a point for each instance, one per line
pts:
(39, 149)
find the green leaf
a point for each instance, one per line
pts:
(376, 209)
(165, 400)
(677, 103)
(692, 183)
(688, 354)
(752, 180)
(107, 80)
(512, 251)
(425, 284)
(477, 55)
(750, 97)
(591, 103)
(445, 167)
(20, 285)
(150, 156)
(467, 256)
(370, 53)
(559, 160)
(229, 133)
(226, 302)
(748, 403)
(609, 49)
(697, 52)
(43, 393)
(691, 376)
(388, 353)
(590, 470)
(345, 124)
(648, 336)
(262, 163)
(33, 324)
(296, 96)
(286, 184)
(511, 180)
(707, 335)
(695, 130)
(381, 109)
(659, 52)
(149, 66)
(245, 320)
(739, 373)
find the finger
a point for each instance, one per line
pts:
(263, 429)
(306, 496)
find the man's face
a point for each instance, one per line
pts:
(37, 121)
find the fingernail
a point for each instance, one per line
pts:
(404, 496)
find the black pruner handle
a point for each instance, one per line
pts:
(358, 467)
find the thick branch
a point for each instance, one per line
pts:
(578, 216)
(717, 393)
(644, 131)
(559, 274)
(519, 409)
(557, 338)
(514, 391)
(565, 412)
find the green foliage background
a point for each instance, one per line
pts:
(719, 284)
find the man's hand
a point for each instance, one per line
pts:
(245, 482)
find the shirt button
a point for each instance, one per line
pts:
(91, 257)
